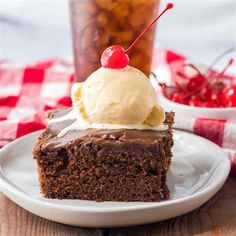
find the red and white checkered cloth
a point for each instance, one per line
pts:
(27, 92)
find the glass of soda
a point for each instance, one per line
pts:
(98, 24)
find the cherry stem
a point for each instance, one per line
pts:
(230, 62)
(219, 57)
(168, 6)
(182, 75)
(195, 68)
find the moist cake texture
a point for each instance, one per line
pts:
(103, 165)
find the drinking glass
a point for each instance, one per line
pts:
(98, 24)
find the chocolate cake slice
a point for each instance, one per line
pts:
(104, 165)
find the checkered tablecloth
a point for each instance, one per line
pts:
(27, 92)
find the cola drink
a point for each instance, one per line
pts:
(98, 24)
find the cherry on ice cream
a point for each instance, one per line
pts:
(115, 57)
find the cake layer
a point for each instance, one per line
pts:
(103, 165)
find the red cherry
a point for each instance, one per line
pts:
(229, 96)
(210, 104)
(206, 93)
(195, 82)
(178, 97)
(114, 57)
(220, 99)
(196, 102)
(216, 93)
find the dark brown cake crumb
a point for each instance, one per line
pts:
(104, 165)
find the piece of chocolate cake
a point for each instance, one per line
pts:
(103, 165)
(114, 144)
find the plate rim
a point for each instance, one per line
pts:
(105, 209)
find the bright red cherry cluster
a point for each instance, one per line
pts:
(212, 89)
(115, 57)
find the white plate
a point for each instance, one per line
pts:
(198, 170)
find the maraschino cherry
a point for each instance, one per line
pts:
(211, 89)
(229, 96)
(115, 57)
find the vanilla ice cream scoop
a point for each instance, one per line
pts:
(117, 96)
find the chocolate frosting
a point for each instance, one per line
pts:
(50, 138)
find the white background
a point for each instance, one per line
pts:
(38, 29)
